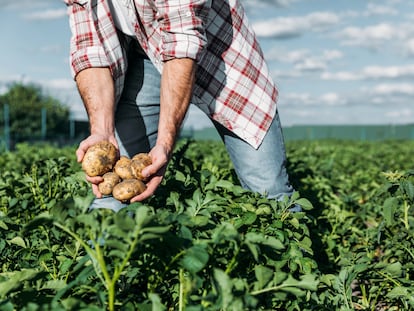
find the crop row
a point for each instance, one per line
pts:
(204, 243)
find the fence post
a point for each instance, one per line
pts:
(44, 129)
(6, 113)
(71, 125)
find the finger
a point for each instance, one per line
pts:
(96, 192)
(94, 179)
(80, 152)
(151, 169)
(152, 185)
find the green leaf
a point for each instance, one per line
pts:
(389, 208)
(179, 176)
(15, 279)
(408, 188)
(225, 184)
(306, 244)
(259, 238)
(3, 225)
(306, 282)
(195, 258)
(398, 292)
(263, 276)
(249, 218)
(54, 284)
(225, 287)
(42, 220)
(124, 222)
(200, 220)
(224, 232)
(305, 204)
(394, 269)
(18, 241)
(156, 302)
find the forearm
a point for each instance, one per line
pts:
(177, 82)
(96, 88)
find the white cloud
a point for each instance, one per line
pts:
(376, 9)
(332, 99)
(61, 84)
(332, 54)
(370, 36)
(285, 56)
(393, 89)
(46, 14)
(390, 72)
(249, 4)
(372, 73)
(288, 27)
(308, 100)
(409, 47)
(311, 65)
(401, 114)
(340, 76)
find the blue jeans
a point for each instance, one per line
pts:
(136, 121)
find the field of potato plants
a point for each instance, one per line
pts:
(204, 243)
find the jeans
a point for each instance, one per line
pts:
(136, 122)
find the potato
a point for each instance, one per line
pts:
(109, 182)
(99, 159)
(127, 189)
(123, 168)
(138, 163)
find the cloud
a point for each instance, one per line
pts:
(400, 114)
(332, 55)
(289, 27)
(249, 4)
(406, 89)
(46, 14)
(311, 65)
(340, 76)
(372, 73)
(25, 5)
(376, 9)
(409, 47)
(390, 72)
(370, 36)
(60, 84)
(308, 100)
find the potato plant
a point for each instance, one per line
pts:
(204, 243)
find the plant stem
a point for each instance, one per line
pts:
(181, 294)
(406, 208)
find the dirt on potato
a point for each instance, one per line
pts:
(99, 159)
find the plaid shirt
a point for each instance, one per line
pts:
(233, 85)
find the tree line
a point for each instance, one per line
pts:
(22, 107)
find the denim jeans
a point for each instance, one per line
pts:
(136, 121)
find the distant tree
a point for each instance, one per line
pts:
(25, 106)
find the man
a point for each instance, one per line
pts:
(138, 64)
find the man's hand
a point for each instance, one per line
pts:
(155, 172)
(80, 153)
(96, 88)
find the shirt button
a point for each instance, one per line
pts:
(188, 14)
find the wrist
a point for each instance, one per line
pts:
(167, 147)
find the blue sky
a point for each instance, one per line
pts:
(335, 62)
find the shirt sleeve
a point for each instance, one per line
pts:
(182, 25)
(86, 50)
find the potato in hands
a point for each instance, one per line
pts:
(122, 178)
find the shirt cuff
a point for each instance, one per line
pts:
(89, 57)
(183, 34)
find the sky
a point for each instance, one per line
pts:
(333, 61)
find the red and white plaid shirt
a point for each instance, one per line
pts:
(233, 85)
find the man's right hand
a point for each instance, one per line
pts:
(80, 153)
